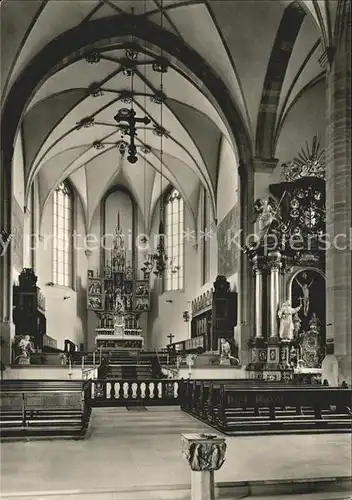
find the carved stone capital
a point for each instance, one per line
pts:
(264, 165)
(204, 452)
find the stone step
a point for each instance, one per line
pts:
(178, 492)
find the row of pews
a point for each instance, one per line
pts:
(43, 409)
(257, 407)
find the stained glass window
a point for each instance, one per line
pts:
(174, 238)
(62, 235)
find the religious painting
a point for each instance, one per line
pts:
(127, 288)
(141, 304)
(94, 287)
(90, 273)
(142, 288)
(227, 244)
(17, 234)
(94, 303)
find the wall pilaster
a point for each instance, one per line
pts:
(338, 198)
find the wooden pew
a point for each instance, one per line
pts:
(252, 407)
(37, 409)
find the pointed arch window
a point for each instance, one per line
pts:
(62, 235)
(174, 232)
(205, 240)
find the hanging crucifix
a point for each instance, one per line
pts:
(129, 116)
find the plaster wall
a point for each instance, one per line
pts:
(305, 119)
(65, 306)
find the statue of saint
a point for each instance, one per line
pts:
(225, 352)
(314, 323)
(266, 211)
(25, 348)
(285, 316)
(296, 324)
(305, 293)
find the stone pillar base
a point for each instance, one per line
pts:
(336, 370)
(202, 485)
(6, 331)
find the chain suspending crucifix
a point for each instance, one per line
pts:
(129, 116)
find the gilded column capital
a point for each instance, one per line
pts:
(204, 452)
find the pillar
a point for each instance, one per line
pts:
(338, 199)
(273, 348)
(5, 258)
(258, 302)
(274, 264)
(205, 454)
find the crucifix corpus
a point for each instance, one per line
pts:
(170, 337)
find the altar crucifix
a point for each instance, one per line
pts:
(129, 116)
(170, 337)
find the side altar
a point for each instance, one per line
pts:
(118, 299)
(288, 263)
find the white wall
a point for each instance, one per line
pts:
(167, 317)
(305, 119)
(19, 227)
(65, 316)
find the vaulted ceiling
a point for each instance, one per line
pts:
(264, 53)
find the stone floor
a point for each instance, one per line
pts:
(129, 449)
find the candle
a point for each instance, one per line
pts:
(70, 366)
(94, 358)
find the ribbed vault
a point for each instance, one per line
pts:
(221, 81)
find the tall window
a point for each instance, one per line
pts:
(205, 238)
(62, 235)
(174, 232)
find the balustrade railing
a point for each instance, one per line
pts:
(125, 392)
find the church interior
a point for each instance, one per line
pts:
(175, 249)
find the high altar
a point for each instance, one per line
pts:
(118, 299)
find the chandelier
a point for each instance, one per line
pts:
(159, 261)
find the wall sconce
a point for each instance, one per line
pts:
(67, 297)
(169, 301)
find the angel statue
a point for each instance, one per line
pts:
(285, 316)
(266, 211)
(305, 292)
